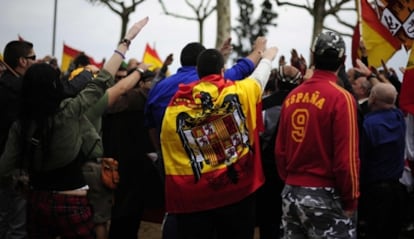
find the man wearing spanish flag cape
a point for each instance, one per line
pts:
(210, 150)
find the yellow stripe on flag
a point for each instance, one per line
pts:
(377, 47)
(151, 57)
(379, 42)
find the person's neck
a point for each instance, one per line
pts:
(19, 71)
(382, 106)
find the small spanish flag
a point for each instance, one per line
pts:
(151, 58)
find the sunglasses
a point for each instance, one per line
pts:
(31, 57)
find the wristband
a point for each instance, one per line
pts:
(119, 53)
(125, 42)
(140, 71)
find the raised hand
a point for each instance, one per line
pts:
(116, 59)
(260, 44)
(226, 48)
(362, 68)
(136, 28)
(169, 59)
(270, 53)
(282, 60)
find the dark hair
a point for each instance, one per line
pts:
(189, 54)
(14, 50)
(81, 60)
(328, 51)
(287, 81)
(147, 75)
(42, 92)
(209, 62)
(328, 60)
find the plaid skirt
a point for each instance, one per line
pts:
(50, 214)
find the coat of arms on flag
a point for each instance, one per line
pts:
(215, 138)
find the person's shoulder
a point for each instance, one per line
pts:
(186, 77)
(374, 117)
(8, 75)
(335, 88)
(243, 62)
(9, 81)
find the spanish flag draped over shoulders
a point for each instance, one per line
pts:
(380, 43)
(210, 144)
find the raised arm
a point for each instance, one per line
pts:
(258, 49)
(118, 56)
(125, 84)
(262, 71)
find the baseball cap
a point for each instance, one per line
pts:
(329, 41)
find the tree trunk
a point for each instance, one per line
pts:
(223, 21)
(318, 18)
(125, 19)
(201, 27)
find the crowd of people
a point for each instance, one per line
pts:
(297, 150)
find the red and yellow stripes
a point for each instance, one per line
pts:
(151, 57)
(379, 42)
(353, 136)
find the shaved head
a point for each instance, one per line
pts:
(383, 96)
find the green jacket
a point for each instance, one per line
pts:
(73, 131)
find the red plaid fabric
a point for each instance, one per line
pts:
(50, 215)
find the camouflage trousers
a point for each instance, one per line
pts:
(314, 213)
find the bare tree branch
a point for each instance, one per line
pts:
(119, 8)
(321, 9)
(335, 8)
(166, 12)
(292, 4)
(347, 24)
(202, 12)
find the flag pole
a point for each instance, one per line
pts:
(359, 18)
(54, 28)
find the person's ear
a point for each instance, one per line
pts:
(23, 61)
(222, 71)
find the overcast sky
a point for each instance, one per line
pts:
(96, 30)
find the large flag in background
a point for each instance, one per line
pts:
(406, 97)
(151, 57)
(355, 51)
(379, 41)
(70, 53)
